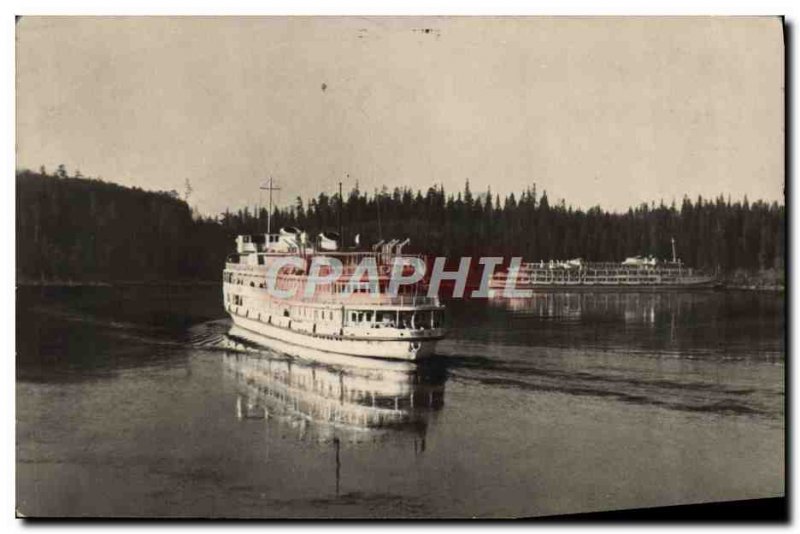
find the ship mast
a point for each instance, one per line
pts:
(341, 236)
(269, 188)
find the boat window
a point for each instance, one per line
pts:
(406, 319)
(387, 318)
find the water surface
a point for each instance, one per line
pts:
(143, 402)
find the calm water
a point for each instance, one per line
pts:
(140, 402)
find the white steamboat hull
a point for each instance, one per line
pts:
(298, 343)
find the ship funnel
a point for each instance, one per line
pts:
(287, 239)
(328, 241)
(290, 231)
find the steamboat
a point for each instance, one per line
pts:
(633, 273)
(345, 315)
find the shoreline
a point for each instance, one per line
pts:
(726, 286)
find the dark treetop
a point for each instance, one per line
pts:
(73, 228)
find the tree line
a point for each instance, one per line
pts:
(713, 234)
(78, 228)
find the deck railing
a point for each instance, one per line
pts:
(365, 299)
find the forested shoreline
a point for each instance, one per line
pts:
(79, 230)
(72, 228)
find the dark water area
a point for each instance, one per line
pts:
(142, 402)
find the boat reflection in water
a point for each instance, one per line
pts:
(334, 397)
(632, 307)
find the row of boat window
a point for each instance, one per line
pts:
(416, 320)
(265, 306)
(523, 279)
(300, 312)
(254, 280)
(421, 319)
(596, 274)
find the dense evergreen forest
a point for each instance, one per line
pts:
(74, 228)
(78, 229)
(711, 234)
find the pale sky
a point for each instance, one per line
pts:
(602, 111)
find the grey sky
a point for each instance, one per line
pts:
(595, 110)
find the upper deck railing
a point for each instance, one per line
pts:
(347, 258)
(666, 267)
